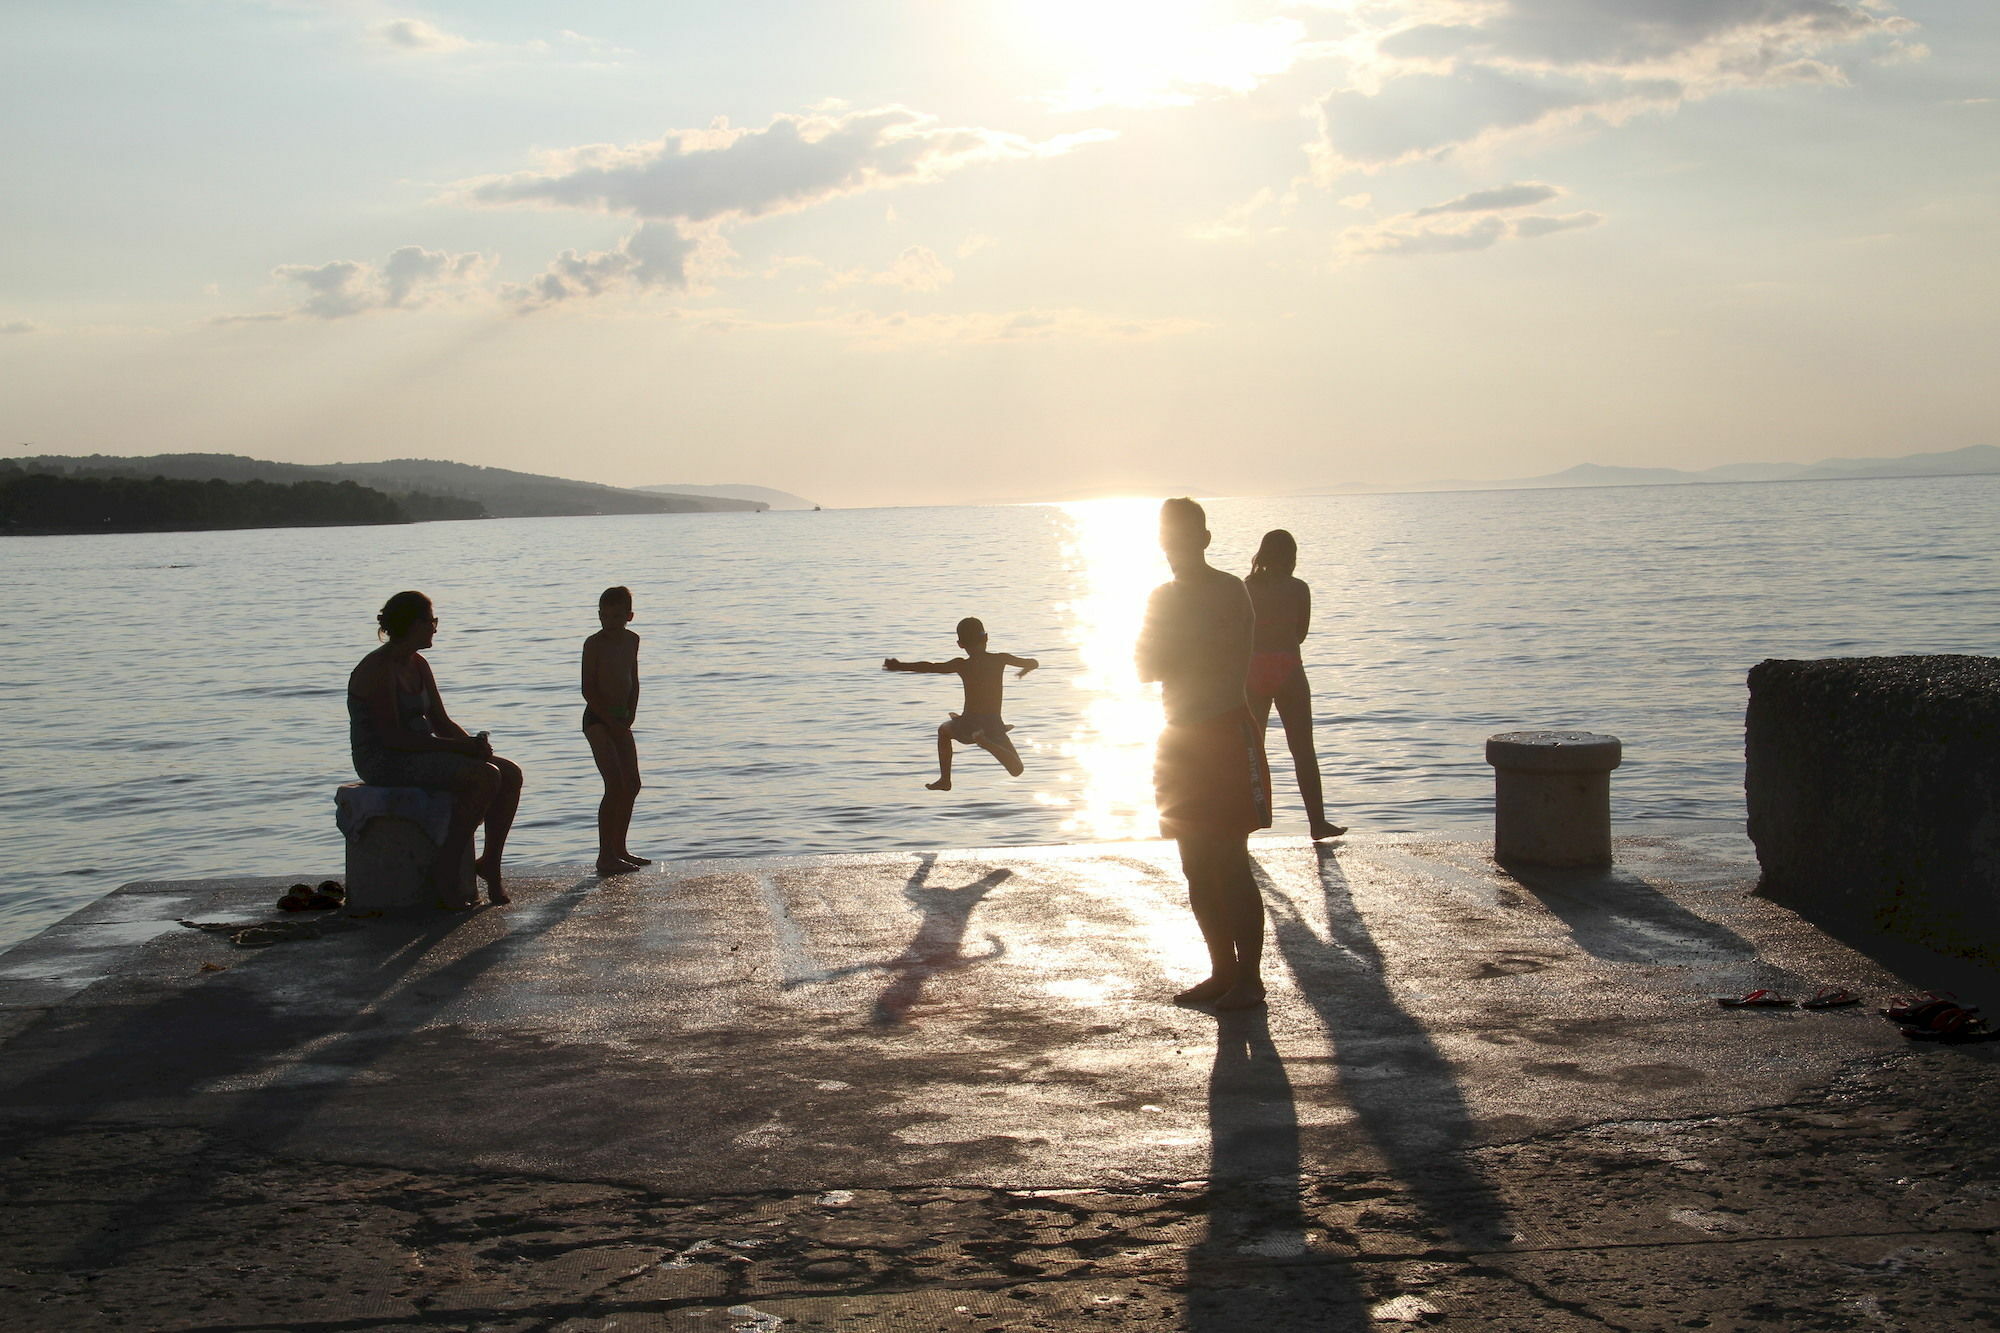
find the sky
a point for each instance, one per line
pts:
(950, 251)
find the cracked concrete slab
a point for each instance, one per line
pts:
(945, 1091)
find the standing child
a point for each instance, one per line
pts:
(980, 723)
(611, 700)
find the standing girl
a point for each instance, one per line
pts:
(1277, 675)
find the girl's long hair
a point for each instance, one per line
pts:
(1277, 556)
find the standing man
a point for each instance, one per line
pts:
(1209, 777)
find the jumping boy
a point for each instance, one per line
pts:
(611, 699)
(980, 723)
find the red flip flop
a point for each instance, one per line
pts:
(1830, 997)
(1756, 999)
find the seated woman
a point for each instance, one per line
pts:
(402, 737)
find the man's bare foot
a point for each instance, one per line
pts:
(1243, 995)
(1202, 992)
(490, 872)
(1324, 831)
(632, 860)
(942, 784)
(608, 866)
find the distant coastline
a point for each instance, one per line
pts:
(1972, 461)
(53, 495)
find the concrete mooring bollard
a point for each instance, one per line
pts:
(1552, 796)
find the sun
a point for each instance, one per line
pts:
(1155, 53)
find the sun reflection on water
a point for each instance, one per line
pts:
(1113, 547)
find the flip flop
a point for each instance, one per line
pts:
(1830, 997)
(1920, 1008)
(297, 899)
(1756, 999)
(1952, 1025)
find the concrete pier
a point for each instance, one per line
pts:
(945, 1091)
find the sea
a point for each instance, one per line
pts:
(171, 705)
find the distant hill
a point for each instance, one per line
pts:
(501, 493)
(774, 499)
(1973, 460)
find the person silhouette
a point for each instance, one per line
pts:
(1209, 777)
(1283, 604)
(402, 737)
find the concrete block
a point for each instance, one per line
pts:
(1873, 791)
(389, 856)
(1552, 796)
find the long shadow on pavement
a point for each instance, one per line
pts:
(1617, 916)
(1401, 1087)
(1255, 1176)
(191, 1044)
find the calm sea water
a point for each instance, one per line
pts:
(171, 705)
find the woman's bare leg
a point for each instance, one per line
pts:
(1294, 700)
(469, 803)
(499, 823)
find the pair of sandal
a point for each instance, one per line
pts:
(1939, 1017)
(305, 898)
(1826, 997)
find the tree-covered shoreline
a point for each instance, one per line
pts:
(52, 504)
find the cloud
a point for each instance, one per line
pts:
(655, 256)
(415, 35)
(917, 269)
(985, 327)
(20, 326)
(731, 175)
(1457, 226)
(410, 278)
(1236, 221)
(1486, 201)
(1431, 77)
(1539, 225)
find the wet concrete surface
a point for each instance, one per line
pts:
(946, 1091)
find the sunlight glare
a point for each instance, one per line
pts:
(1114, 547)
(1142, 53)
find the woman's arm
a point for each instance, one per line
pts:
(454, 736)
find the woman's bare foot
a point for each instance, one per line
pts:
(1204, 991)
(942, 784)
(1326, 830)
(490, 872)
(607, 866)
(632, 860)
(1243, 995)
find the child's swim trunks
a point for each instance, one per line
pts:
(1210, 778)
(971, 728)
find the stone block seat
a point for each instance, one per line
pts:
(392, 836)
(1552, 796)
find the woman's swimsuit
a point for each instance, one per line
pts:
(377, 764)
(1268, 671)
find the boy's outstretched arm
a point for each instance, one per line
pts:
(1026, 664)
(934, 668)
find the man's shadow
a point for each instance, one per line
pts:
(1256, 1218)
(179, 1048)
(1402, 1089)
